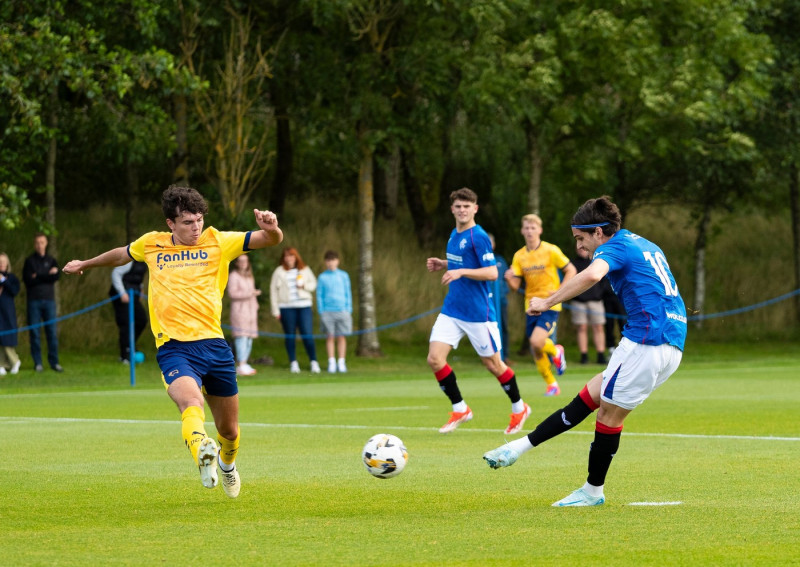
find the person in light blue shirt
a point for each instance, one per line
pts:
(649, 352)
(335, 307)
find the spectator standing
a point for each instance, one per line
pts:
(9, 288)
(123, 279)
(244, 312)
(588, 309)
(335, 307)
(40, 274)
(290, 297)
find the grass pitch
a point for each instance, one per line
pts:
(95, 471)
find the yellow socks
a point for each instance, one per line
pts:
(549, 347)
(543, 365)
(228, 450)
(193, 428)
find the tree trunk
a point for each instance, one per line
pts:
(180, 175)
(794, 200)
(379, 184)
(535, 185)
(284, 159)
(700, 263)
(368, 344)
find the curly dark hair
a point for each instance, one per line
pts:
(596, 211)
(176, 200)
(463, 194)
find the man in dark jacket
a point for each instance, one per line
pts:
(40, 274)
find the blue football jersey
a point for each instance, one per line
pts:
(468, 299)
(641, 278)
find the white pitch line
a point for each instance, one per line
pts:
(400, 408)
(23, 419)
(677, 503)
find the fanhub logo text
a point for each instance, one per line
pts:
(184, 256)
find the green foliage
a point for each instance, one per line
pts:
(13, 206)
(684, 101)
(101, 62)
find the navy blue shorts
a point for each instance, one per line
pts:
(547, 321)
(209, 361)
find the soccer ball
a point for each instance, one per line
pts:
(384, 456)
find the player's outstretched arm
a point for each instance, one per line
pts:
(112, 258)
(435, 264)
(270, 234)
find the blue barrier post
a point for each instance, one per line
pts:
(131, 338)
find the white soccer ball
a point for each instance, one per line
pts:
(384, 456)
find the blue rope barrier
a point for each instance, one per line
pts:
(353, 334)
(413, 318)
(753, 307)
(62, 318)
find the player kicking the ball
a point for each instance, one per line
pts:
(469, 310)
(188, 273)
(648, 353)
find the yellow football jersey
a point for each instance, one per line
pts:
(540, 269)
(186, 283)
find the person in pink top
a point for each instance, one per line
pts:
(244, 312)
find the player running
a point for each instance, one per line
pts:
(537, 264)
(469, 310)
(648, 353)
(188, 269)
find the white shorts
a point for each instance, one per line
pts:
(635, 370)
(485, 337)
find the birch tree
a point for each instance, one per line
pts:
(233, 110)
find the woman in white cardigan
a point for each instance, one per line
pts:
(291, 292)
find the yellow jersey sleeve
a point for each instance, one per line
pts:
(559, 259)
(516, 266)
(186, 283)
(136, 248)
